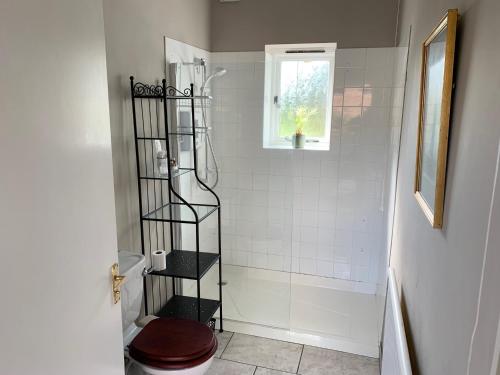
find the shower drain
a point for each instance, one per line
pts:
(223, 283)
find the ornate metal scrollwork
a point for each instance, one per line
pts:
(141, 89)
(172, 91)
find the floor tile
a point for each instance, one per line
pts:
(223, 339)
(317, 361)
(258, 351)
(358, 365)
(222, 367)
(266, 371)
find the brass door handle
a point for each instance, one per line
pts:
(117, 282)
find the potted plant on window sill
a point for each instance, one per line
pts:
(302, 114)
(298, 139)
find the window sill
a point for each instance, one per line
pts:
(309, 146)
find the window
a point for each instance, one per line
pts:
(298, 94)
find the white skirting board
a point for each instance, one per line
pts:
(395, 358)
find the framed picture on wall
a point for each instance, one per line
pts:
(438, 53)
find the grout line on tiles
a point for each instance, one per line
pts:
(300, 359)
(240, 363)
(257, 366)
(273, 369)
(221, 353)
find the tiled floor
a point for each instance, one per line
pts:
(240, 354)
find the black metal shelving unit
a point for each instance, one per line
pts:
(163, 209)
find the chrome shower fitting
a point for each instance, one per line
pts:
(197, 61)
(209, 148)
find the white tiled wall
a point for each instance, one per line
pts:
(311, 212)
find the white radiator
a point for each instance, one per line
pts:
(395, 358)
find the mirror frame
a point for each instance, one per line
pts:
(435, 216)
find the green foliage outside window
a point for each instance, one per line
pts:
(303, 102)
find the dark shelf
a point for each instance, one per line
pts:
(177, 173)
(187, 308)
(182, 264)
(181, 213)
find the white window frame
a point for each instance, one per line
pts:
(275, 54)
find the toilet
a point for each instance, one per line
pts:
(164, 345)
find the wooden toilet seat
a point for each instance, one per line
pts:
(173, 344)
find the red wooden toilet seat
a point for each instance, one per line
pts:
(173, 344)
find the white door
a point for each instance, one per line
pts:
(57, 216)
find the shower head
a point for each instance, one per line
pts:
(219, 72)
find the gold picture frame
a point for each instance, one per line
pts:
(436, 84)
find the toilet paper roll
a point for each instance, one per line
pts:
(159, 260)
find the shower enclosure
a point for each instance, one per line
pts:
(304, 232)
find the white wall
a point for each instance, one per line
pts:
(311, 212)
(439, 271)
(485, 343)
(135, 32)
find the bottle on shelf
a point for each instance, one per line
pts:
(161, 160)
